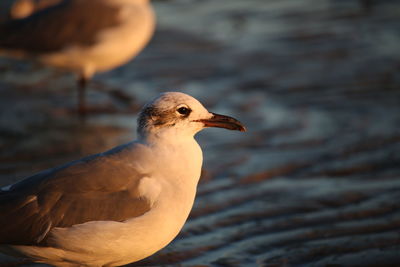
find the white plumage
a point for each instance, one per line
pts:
(119, 206)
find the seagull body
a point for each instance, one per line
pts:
(82, 36)
(116, 207)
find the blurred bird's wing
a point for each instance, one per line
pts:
(103, 187)
(66, 24)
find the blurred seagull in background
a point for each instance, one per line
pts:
(83, 36)
(115, 207)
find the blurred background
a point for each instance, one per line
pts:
(316, 179)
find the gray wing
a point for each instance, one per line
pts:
(71, 22)
(101, 187)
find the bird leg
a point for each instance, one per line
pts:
(82, 83)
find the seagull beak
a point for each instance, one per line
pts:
(223, 121)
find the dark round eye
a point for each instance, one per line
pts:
(184, 111)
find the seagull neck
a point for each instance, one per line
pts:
(163, 138)
(180, 155)
(129, 1)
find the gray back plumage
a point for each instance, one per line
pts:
(96, 188)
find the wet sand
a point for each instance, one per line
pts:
(316, 179)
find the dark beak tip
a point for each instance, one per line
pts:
(223, 121)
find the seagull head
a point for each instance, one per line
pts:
(175, 113)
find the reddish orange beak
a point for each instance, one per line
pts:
(222, 121)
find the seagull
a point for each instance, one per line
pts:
(115, 207)
(82, 36)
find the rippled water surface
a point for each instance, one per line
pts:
(316, 179)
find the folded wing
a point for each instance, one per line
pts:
(102, 187)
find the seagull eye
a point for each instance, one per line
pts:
(184, 111)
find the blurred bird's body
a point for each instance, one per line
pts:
(83, 36)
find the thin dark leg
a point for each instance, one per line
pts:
(82, 83)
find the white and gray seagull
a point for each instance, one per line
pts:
(115, 207)
(82, 36)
